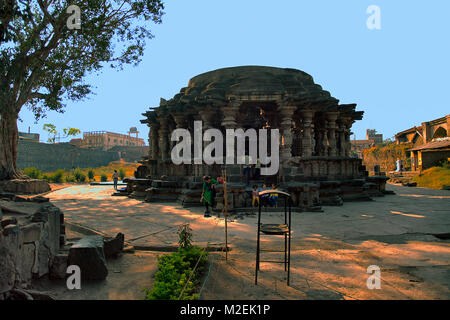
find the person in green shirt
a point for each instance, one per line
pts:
(208, 194)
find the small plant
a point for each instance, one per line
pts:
(79, 175)
(57, 177)
(103, 177)
(33, 173)
(185, 236)
(70, 178)
(91, 174)
(121, 173)
(179, 273)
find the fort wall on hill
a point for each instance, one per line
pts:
(51, 157)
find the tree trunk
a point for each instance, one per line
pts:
(9, 138)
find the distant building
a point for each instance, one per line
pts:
(32, 137)
(438, 128)
(430, 154)
(371, 134)
(104, 140)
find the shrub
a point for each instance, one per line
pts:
(70, 178)
(179, 273)
(121, 173)
(79, 175)
(103, 177)
(33, 173)
(57, 176)
(91, 174)
(173, 273)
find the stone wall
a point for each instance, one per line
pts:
(130, 153)
(51, 157)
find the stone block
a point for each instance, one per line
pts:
(58, 267)
(31, 232)
(88, 254)
(112, 247)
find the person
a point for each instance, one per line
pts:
(274, 197)
(255, 195)
(115, 177)
(207, 194)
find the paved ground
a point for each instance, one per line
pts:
(331, 250)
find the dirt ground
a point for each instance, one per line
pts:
(405, 235)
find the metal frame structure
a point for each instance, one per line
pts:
(270, 229)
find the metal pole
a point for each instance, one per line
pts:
(225, 208)
(257, 243)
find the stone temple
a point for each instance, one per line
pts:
(316, 166)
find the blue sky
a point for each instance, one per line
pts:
(399, 75)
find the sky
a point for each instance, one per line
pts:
(398, 75)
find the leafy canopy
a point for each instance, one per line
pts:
(43, 62)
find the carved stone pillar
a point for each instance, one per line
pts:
(341, 134)
(230, 114)
(331, 122)
(153, 140)
(181, 123)
(307, 116)
(163, 133)
(229, 121)
(208, 116)
(286, 113)
(347, 122)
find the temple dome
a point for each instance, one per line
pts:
(221, 84)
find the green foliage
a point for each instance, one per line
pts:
(70, 178)
(79, 175)
(57, 176)
(173, 273)
(103, 177)
(33, 173)
(49, 62)
(387, 155)
(53, 132)
(91, 174)
(121, 173)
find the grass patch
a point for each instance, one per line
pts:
(434, 178)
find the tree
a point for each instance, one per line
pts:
(43, 62)
(51, 129)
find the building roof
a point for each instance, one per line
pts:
(218, 87)
(440, 144)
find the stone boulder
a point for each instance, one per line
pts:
(26, 186)
(88, 254)
(113, 246)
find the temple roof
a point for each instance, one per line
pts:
(218, 87)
